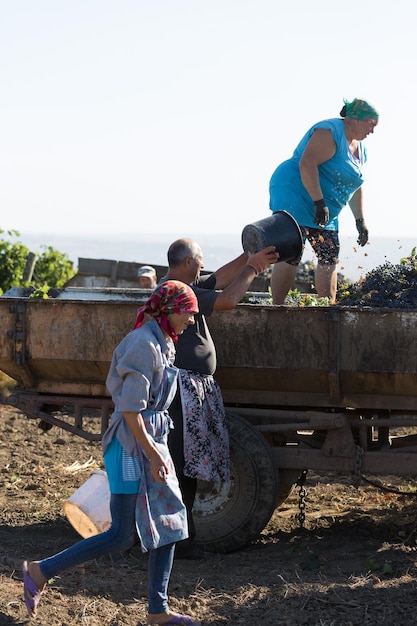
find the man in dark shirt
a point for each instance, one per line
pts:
(199, 442)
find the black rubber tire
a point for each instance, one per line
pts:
(228, 516)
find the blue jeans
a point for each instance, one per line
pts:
(120, 537)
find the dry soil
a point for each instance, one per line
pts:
(352, 563)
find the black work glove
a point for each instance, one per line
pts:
(322, 213)
(363, 231)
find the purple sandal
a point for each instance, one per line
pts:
(181, 620)
(31, 592)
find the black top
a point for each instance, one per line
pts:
(195, 350)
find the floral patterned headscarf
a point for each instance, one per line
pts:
(360, 110)
(171, 296)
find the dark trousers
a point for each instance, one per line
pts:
(188, 485)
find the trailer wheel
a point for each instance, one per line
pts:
(229, 515)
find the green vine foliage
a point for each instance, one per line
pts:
(52, 268)
(13, 258)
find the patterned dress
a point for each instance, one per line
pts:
(206, 449)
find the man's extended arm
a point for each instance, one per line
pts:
(249, 267)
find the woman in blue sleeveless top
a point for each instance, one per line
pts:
(323, 175)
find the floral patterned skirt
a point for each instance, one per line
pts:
(206, 438)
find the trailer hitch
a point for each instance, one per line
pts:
(71, 413)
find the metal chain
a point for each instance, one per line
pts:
(357, 477)
(301, 498)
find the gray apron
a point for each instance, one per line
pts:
(161, 516)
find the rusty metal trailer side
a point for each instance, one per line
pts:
(323, 357)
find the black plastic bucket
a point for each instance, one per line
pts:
(279, 230)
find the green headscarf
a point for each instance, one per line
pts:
(360, 110)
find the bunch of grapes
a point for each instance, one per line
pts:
(389, 286)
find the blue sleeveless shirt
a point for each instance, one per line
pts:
(340, 177)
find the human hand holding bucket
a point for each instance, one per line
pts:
(279, 230)
(262, 260)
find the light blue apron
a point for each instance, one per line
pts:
(160, 512)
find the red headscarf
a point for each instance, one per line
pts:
(171, 296)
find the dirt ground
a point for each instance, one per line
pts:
(352, 564)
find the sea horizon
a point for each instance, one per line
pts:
(218, 249)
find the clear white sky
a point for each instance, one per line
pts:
(171, 115)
